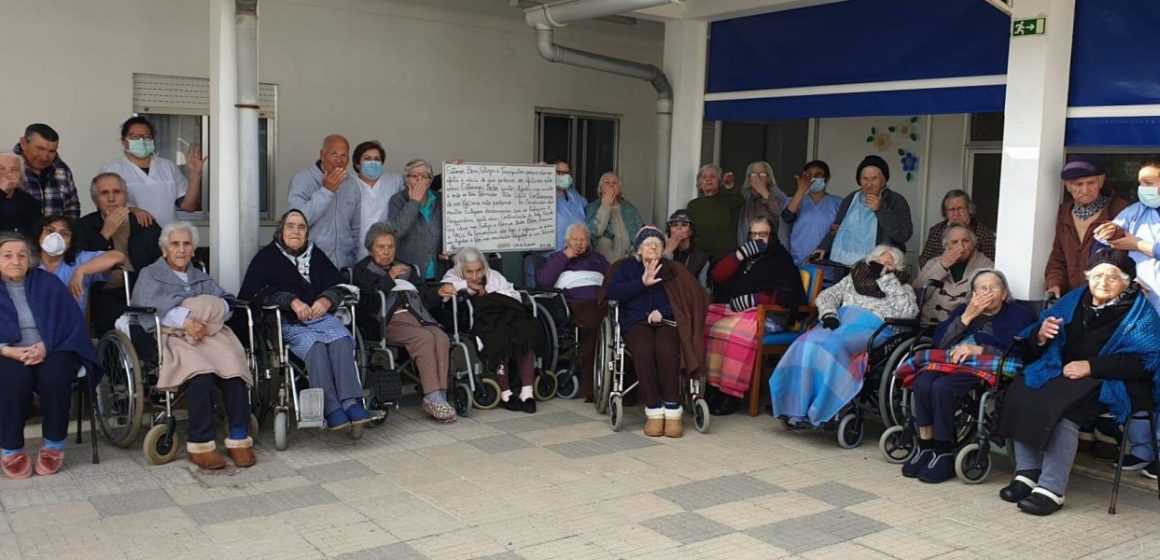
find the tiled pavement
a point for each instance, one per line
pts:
(557, 484)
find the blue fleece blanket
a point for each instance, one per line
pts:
(59, 320)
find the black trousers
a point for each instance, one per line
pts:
(199, 395)
(656, 360)
(52, 379)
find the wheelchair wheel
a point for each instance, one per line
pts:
(549, 351)
(701, 415)
(972, 465)
(461, 399)
(850, 431)
(602, 367)
(160, 446)
(486, 395)
(546, 385)
(568, 385)
(374, 405)
(895, 446)
(616, 412)
(281, 426)
(120, 395)
(889, 390)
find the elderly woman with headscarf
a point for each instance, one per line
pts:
(505, 328)
(759, 272)
(198, 350)
(968, 347)
(406, 317)
(298, 277)
(417, 212)
(953, 269)
(872, 215)
(662, 314)
(716, 212)
(823, 368)
(43, 344)
(763, 198)
(579, 272)
(1095, 350)
(612, 219)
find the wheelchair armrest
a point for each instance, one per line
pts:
(237, 303)
(899, 322)
(138, 310)
(270, 307)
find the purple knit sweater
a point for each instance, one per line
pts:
(557, 264)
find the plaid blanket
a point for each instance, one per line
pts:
(987, 367)
(730, 348)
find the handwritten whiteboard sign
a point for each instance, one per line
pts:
(499, 207)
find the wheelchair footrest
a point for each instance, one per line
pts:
(310, 409)
(385, 384)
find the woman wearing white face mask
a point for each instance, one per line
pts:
(157, 188)
(375, 187)
(1136, 229)
(811, 210)
(77, 269)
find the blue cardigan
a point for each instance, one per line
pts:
(58, 318)
(635, 299)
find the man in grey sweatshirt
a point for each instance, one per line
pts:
(330, 202)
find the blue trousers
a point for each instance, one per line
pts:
(1138, 438)
(936, 398)
(1055, 460)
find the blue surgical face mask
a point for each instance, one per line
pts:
(141, 147)
(372, 169)
(564, 181)
(818, 185)
(1148, 196)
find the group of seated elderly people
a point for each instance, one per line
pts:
(1095, 351)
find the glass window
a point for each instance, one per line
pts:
(1122, 169)
(174, 136)
(588, 142)
(986, 127)
(782, 144)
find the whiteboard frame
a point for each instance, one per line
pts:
(443, 209)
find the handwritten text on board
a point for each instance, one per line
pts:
(499, 207)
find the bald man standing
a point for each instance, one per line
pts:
(330, 202)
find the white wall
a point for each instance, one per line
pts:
(842, 143)
(430, 82)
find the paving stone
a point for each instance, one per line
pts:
(524, 423)
(499, 444)
(397, 551)
(502, 556)
(232, 509)
(581, 448)
(716, 491)
(109, 505)
(802, 534)
(687, 527)
(333, 472)
(837, 494)
(624, 441)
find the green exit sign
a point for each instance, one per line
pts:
(1022, 27)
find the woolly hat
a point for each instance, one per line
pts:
(646, 232)
(1115, 257)
(872, 161)
(1081, 166)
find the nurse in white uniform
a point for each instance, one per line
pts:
(157, 188)
(375, 187)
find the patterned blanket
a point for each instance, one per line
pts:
(730, 348)
(987, 367)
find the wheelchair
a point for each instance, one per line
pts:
(975, 421)
(127, 395)
(284, 381)
(609, 377)
(467, 390)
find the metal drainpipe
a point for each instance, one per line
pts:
(247, 105)
(543, 18)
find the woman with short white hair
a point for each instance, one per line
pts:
(612, 220)
(813, 381)
(417, 212)
(506, 330)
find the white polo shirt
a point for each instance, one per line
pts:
(156, 192)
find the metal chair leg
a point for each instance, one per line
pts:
(1119, 468)
(93, 428)
(1155, 451)
(80, 404)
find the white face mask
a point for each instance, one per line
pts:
(53, 245)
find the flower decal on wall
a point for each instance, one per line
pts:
(899, 134)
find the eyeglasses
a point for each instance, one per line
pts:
(418, 176)
(1101, 277)
(957, 209)
(139, 137)
(761, 234)
(761, 174)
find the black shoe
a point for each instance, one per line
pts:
(1133, 463)
(940, 469)
(1151, 470)
(920, 458)
(513, 404)
(726, 406)
(1041, 502)
(1019, 488)
(529, 405)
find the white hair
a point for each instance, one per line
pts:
(177, 226)
(946, 235)
(895, 253)
(575, 226)
(417, 163)
(102, 176)
(469, 255)
(997, 274)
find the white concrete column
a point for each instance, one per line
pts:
(686, 52)
(1035, 112)
(225, 258)
(249, 173)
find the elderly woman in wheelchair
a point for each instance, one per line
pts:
(821, 373)
(661, 315)
(969, 350)
(505, 329)
(197, 349)
(396, 303)
(43, 344)
(297, 279)
(1096, 350)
